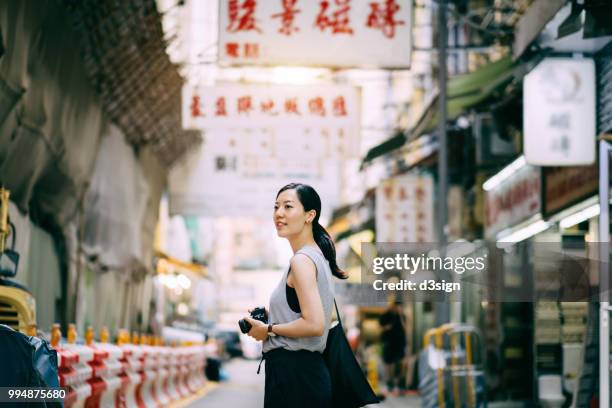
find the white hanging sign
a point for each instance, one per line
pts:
(226, 178)
(258, 138)
(559, 122)
(321, 119)
(339, 33)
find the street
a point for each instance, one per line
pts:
(245, 389)
(189, 181)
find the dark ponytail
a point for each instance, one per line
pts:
(324, 241)
(311, 201)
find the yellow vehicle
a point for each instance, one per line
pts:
(17, 305)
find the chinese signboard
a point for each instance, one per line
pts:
(340, 33)
(565, 186)
(559, 113)
(321, 119)
(259, 138)
(226, 178)
(514, 200)
(404, 209)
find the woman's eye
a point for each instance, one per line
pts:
(288, 206)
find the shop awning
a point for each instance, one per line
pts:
(170, 263)
(389, 145)
(463, 92)
(466, 91)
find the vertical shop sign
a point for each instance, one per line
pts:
(559, 113)
(404, 206)
(340, 33)
(514, 200)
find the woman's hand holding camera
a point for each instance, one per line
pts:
(259, 330)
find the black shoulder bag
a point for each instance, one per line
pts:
(350, 388)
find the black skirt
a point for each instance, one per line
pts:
(296, 379)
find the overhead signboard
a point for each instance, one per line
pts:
(565, 186)
(514, 200)
(337, 33)
(404, 209)
(258, 138)
(321, 120)
(225, 178)
(559, 113)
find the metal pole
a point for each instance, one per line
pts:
(444, 307)
(604, 279)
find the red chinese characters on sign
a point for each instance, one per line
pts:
(515, 203)
(316, 106)
(220, 109)
(339, 21)
(291, 106)
(339, 106)
(382, 17)
(287, 17)
(245, 104)
(251, 50)
(241, 16)
(403, 196)
(232, 50)
(388, 191)
(224, 106)
(196, 107)
(420, 193)
(268, 107)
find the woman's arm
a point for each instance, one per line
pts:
(312, 322)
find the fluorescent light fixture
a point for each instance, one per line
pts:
(523, 233)
(504, 174)
(580, 216)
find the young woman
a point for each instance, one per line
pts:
(301, 306)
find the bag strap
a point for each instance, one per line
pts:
(337, 313)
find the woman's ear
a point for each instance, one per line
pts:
(311, 216)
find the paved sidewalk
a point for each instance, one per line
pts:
(245, 389)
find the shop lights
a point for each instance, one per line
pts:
(580, 216)
(504, 174)
(175, 282)
(184, 281)
(521, 234)
(182, 309)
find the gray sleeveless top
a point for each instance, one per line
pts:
(280, 312)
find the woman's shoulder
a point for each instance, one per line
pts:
(313, 252)
(301, 260)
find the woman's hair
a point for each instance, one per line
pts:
(311, 201)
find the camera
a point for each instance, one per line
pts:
(259, 313)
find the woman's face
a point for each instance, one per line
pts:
(289, 215)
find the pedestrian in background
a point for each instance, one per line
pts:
(393, 338)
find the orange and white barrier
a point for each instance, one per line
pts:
(126, 375)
